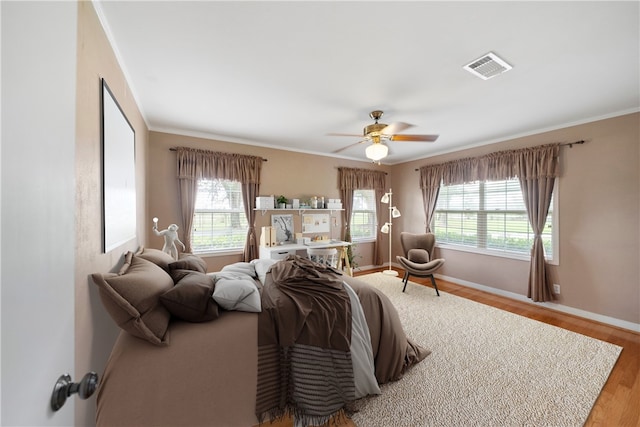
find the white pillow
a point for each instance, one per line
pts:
(237, 294)
(262, 266)
(241, 268)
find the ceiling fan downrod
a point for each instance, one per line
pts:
(376, 114)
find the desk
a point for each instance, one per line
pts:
(283, 251)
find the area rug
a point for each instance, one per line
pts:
(488, 367)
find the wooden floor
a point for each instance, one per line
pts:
(619, 401)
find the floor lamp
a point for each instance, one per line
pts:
(386, 228)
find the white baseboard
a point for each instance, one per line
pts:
(553, 306)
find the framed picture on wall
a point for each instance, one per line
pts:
(118, 174)
(283, 224)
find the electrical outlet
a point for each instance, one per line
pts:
(556, 289)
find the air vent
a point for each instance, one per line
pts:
(487, 66)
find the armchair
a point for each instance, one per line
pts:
(418, 251)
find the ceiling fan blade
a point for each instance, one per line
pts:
(348, 146)
(396, 127)
(345, 134)
(422, 138)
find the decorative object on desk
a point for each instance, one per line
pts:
(268, 237)
(282, 202)
(170, 238)
(283, 225)
(387, 227)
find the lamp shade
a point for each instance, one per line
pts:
(385, 228)
(377, 151)
(385, 198)
(395, 212)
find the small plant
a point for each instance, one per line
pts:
(281, 199)
(351, 256)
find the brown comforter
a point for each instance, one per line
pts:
(393, 351)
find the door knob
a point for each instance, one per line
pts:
(64, 388)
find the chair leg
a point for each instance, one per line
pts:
(433, 282)
(405, 280)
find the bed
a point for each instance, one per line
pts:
(195, 372)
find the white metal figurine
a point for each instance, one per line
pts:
(170, 238)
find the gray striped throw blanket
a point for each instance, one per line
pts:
(304, 334)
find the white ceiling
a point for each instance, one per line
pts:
(284, 74)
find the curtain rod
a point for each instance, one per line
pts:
(175, 149)
(570, 144)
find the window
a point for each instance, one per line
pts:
(219, 221)
(490, 217)
(363, 216)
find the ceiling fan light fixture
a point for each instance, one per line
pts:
(380, 133)
(376, 152)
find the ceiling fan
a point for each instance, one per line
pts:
(378, 133)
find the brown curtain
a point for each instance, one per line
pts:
(535, 167)
(249, 192)
(430, 179)
(187, 190)
(350, 179)
(194, 165)
(537, 171)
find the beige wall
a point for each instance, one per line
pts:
(294, 175)
(95, 331)
(599, 217)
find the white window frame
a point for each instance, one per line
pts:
(204, 208)
(356, 210)
(555, 236)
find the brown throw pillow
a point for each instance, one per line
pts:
(156, 256)
(420, 256)
(190, 299)
(189, 262)
(132, 298)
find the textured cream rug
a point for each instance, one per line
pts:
(488, 367)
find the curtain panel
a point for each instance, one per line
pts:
(537, 171)
(350, 179)
(195, 164)
(535, 167)
(430, 180)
